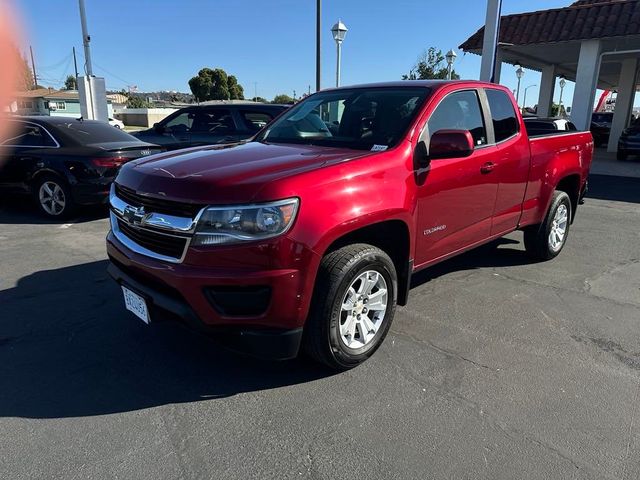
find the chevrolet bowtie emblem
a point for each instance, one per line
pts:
(133, 215)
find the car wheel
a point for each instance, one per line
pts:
(546, 240)
(621, 155)
(53, 197)
(353, 306)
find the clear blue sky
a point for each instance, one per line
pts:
(160, 44)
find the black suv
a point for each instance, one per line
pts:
(210, 124)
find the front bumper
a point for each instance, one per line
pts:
(277, 344)
(185, 290)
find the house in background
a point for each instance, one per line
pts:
(47, 101)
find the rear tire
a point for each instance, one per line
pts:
(546, 240)
(344, 327)
(621, 155)
(53, 197)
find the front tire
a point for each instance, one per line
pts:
(546, 240)
(53, 197)
(353, 306)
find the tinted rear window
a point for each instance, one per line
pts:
(86, 132)
(503, 115)
(602, 117)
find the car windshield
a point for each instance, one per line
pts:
(359, 118)
(87, 131)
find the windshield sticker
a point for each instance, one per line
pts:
(379, 148)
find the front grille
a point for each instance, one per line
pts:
(167, 245)
(178, 209)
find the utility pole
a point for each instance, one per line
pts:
(33, 67)
(318, 35)
(86, 38)
(255, 91)
(75, 65)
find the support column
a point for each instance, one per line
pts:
(624, 101)
(586, 82)
(490, 41)
(547, 88)
(498, 70)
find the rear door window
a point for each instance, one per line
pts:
(460, 111)
(503, 115)
(28, 135)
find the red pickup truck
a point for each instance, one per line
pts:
(307, 235)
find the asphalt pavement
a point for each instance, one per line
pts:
(497, 368)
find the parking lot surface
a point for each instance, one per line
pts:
(497, 368)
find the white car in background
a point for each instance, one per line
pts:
(116, 123)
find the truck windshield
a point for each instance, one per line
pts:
(359, 118)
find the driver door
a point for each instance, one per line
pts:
(456, 196)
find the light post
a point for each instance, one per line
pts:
(519, 74)
(524, 102)
(563, 83)
(339, 31)
(450, 57)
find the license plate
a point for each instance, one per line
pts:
(136, 304)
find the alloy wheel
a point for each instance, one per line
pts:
(558, 230)
(363, 309)
(52, 198)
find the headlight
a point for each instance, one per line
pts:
(244, 223)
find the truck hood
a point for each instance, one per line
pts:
(225, 174)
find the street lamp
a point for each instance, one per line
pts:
(563, 83)
(524, 102)
(519, 74)
(450, 57)
(339, 31)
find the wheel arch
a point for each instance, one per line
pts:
(390, 236)
(570, 184)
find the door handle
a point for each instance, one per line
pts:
(487, 167)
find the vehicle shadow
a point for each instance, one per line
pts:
(618, 189)
(22, 210)
(68, 348)
(489, 255)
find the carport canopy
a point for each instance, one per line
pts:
(595, 43)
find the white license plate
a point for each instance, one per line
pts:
(136, 304)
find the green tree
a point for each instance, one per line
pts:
(259, 99)
(70, 83)
(134, 101)
(215, 84)
(283, 99)
(431, 64)
(236, 92)
(555, 111)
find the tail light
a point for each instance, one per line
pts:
(109, 162)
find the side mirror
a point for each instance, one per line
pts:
(451, 144)
(158, 128)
